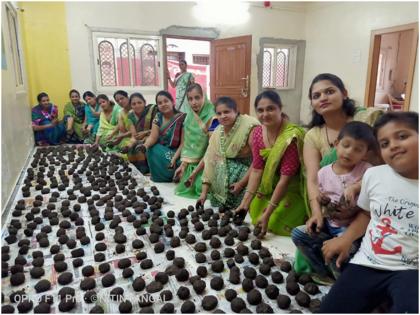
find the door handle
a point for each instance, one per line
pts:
(244, 90)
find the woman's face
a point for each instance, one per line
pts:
(196, 100)
(90, 100)
(138, 105)
(105, 105)
(45, 101)
(326, 97)
(225, 115)
(75, 98)
(122, 101)
(165, 105)
(182, 66)
(268, 113)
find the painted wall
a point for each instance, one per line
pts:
(17, 137)
(44, 30)
(154, 16)
(338, 40)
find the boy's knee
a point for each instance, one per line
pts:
(298, 233)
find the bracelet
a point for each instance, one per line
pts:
(275, 205)
(250, 192)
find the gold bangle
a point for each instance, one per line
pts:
(275, 205)
(250, 192)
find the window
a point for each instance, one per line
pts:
(126, 61)
(279, 66)
(201, 59)
(14, 44)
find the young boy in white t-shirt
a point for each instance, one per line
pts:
(386, 265)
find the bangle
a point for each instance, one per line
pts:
(275, 205)
(250, 192)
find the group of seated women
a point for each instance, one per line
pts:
(268, 166)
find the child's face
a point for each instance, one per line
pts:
(399, 148)
(350, 151)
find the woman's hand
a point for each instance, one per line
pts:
(172, 163)
(263, 224)
(117, 140)
(190, 180)
(236, 188)
(337, 246)
(315, 223)
(179, 173)
(142, 134)
(201, 200)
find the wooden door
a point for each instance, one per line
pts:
(230, 70)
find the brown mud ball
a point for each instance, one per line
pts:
(215, 242)
(202, 271)
(182, 275)
(311, 288)
(139, 284)
(264, 308)
(90, 297)
(108, 280)
(200, 247)
(254, 297)
(314, 306)
(304, 279)
(217, 266)
(292, 288)
(146, 264)
(42, 308)
(154, 287)
(285, 266)
(166, 295)
(162, 277)
(209, 302)
(254, 258)
(125, 307)
(37, 272)
(167, 308)
(188, 307)
(183, 293)
(159, 248)
(65, 278)
(116, 293)
(215, 254)
(124, 263)
(78, 262)
(104, 268)
(42, 286)
(88, 271)
(175, 242)
(234, 275)
(261, 282)
(277, 277)
(242, 249)
(237, 304)
(265, 269)
(283, 301)
(127, 273)
(230, 294)
(200, 258)
(17, 279)
(170, 254)
(87, 284)
(302, 299)
(179, 262)
(217, 283)
(25, 306)
(199, 286)
(60, 266)
(239, 259)
(247, 285)
(272, 291)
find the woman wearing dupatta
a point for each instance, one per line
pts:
(108, 122)
(123, 134)
(92, 112)
(197, 127)
(75, 118)
(228, 157)
(275, 195)
(47, 129)
(140, 121)
(165, 141)
(332, 109)
(182, 81)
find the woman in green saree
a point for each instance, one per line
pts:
(182, 81)
(140, 120)
(228, 157)
(164, 144)
(75, 118)
(332, 109)
(123, 134)
(108, 122)
(275, 195)
(197, 128)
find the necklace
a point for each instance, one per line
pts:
(328, 139)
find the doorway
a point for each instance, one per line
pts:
(391, 67)
(196, 52)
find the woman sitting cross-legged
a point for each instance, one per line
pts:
(140, 120)
(164, 144)
(122, 133)
(75, 119)
(197, 130)
(275, 194)
(48, 130)
(228, 157)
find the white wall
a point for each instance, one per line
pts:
(335, 35)
(17, 136)
(154, 16)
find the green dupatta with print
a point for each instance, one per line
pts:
(293, 209)
(195, 132)
(221, 147)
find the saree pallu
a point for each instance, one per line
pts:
(141, 123)
(195, 145)
(182, 83)
(292, 209)
(160, 155)
(78, 114)
(49, 136)
(106, 128)
(222, 165)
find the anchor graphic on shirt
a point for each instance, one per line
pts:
(386, 230)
